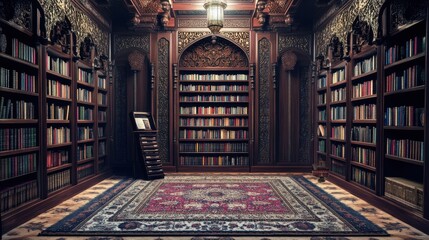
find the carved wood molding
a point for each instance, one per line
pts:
(362, 34)
(289, 59)
(185, 39)
(62, 34)
(302, 42)
(222, 53)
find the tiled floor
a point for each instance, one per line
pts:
(396, 228)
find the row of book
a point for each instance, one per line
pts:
(366, 65)
(365, 112)
(85, 170)
(213, 122)
(366, 134)
(102, 83)
(338, 132)
(23, 51)
(101, 132)
(205, 87)
(338, 113)
(213, 147)
(85, 151)
(84, 95)
(338, 168)
(363, 177)
(405, 148)
(19, 81)
(58, 65)
(214, 98)
(321, 82)
(57, 135)
(58, 180)
(321, 98)
(364, 89)
(411, 77)
(85, 76)
(101, 148)
(85, 133)
(102, 116)
(84, 113)
(214, 160)
(213, 134)
(213, 110)
(58, 89)
(338, 149)
(17, 138)
(102, 99)
(57, 157)
(339, 75)
(16, 166)
(16, 109)
(17, 195)
(404, 116)
(58, 112)
(211, 77)
(407, 49)
(322, 146)
(338, 95)
(322, 115)
(365, 156)
(405, 191)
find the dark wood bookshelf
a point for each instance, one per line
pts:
(58, 168)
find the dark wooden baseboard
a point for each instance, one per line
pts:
(275, 169)
(401, 212)
(36, 207)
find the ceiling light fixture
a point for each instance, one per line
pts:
(215, 18)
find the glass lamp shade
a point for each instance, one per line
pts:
(214, 10)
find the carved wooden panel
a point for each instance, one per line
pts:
(302, 42)
(304, 118)
(205, 53)
(187, 38)
(163, 99)
(341, 24)
(55, 10)
(122, 42)
(202, 23)
(406, 12)
(264, 119)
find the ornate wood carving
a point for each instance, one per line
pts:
(204, 53)
(85, 47)
(341, 23)
(135, 59)
(337, 49)
(122, 42)
(302, 42)
(264, 120)
(406, 12)
(362, 34)
(289, 60)
(62, 34)
(186, 38)
(163, 99)
(55, 10)
(305, 129)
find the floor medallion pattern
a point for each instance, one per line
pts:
(213, 205)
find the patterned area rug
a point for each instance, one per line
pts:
(213, 205)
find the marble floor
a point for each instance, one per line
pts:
(30, 230)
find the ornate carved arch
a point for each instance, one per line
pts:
(205, 53)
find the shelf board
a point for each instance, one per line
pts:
(213, 102)
(406, 160)
(15, 178)
(213, 127)
(321, 137)
(213, 140)
(410, 59)
(58, 98)
(365, 121)
(408, 90)
(337, 140)
(58, 168)
(321, 121)
(370, 97)
(363, 75)
(20, 92)
(337, 158)
(85, 141)
(18, 121)
(342, 102)
(85, 65)
(17, 27)
(102, 156)
(363, 186)
(85, 84)
(370, 168)
(337, 175)
(55, 50)
(323, 89)
(333, 85)
(56, 74)
(85, 103)
(59, 145)
(18, 151)
(366, 144)
(102, 138)
(104, 90)
(102, 106)
(214, 92)
(338, 65)
(339, 121)
(366, 52)
(86, 160)
(321, 153)
(213, 153)
(213, 81)
(411, 128)
(85, 121)
(56, 121)
(19, 61)
(213, 115)
(321, 105)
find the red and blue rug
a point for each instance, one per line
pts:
(216, 205)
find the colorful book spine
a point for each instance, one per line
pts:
(408, 78)
(213, 122)
(404, 116)
(364, 89)
(213, 147)
(17, 138)
(17, 195)
(23, 51)
(56, 158)
(214, 160)
(363, 177)
(58, 89)
(405, 148)
(213, 134)
(18, 165)
(365, 112)
(58, 180)
(58, 65)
